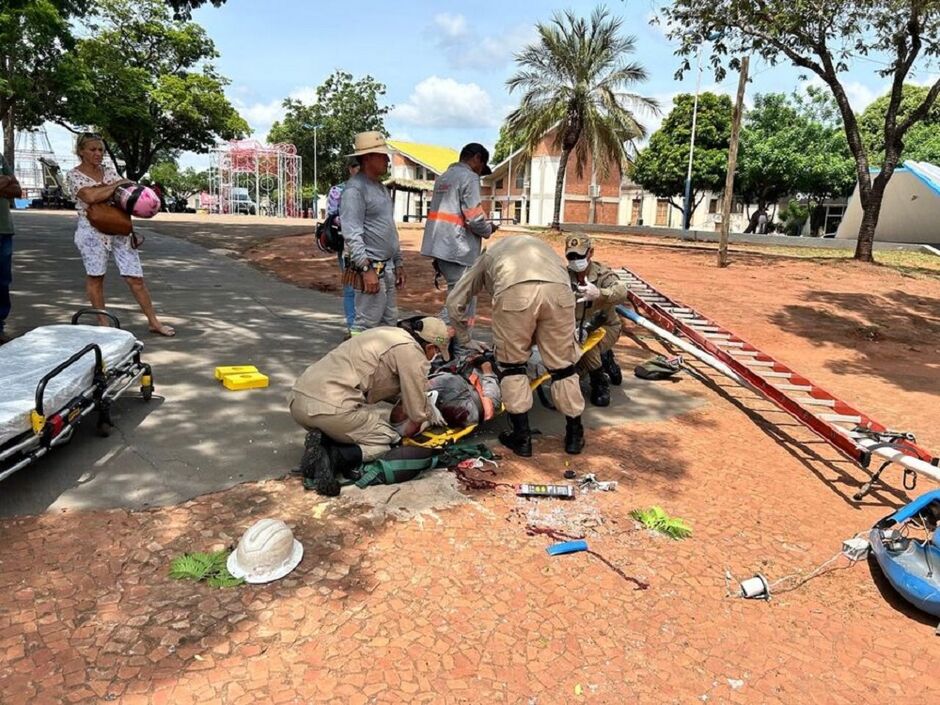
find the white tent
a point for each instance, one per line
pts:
(910, 211)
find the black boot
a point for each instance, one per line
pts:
(346, 459)
(609, 363)
(310, 456)
(600, 388)
(317, 468)
(519, 439)
(574, 435)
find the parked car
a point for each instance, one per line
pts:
(242, 203)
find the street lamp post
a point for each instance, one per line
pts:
(316, 187)
(687, 205)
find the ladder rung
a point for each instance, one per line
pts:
(730, 344)
(840, 418)
(794, 387)
(707, 328)
(814, 401)
(718, 336)
(776, 375)
(749, 353)
(759, 363)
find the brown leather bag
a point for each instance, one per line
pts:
(109, 219)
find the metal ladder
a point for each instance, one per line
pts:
(854, 434)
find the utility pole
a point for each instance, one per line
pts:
(687, 203)
(732, 164)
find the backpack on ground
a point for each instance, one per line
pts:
(659, 368)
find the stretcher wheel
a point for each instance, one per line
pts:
(146, 392)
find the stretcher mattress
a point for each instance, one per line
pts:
(25, 360)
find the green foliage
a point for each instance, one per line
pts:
(344, 106)
(35, 36)
(147, 87)
(182, 184)
(210, 567)
(657, 520)
(507, 142)
(787, 148)
(182, 9)
(793, 216)
(663, 165)
(574, 80)
(825, 38)
(922, 142)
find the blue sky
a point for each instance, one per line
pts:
(445, 63)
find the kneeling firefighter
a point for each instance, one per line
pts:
(533, 304)
(600, 292)
(334, 398)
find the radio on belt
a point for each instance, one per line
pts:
(556, 491)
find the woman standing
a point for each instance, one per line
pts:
(94, 182)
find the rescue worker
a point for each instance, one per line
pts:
(533, 304)
(372, 245)
(600, 291)
(456, 224)
(334, 398)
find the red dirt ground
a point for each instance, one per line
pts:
(465, 607)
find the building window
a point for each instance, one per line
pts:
(662, 211)
(517, 211)
(520, 179)
(713, 205)
(497, 210)
(499, 184)
(636, 213)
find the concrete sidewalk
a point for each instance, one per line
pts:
(194, 436)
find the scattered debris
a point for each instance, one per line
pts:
(556, 491)
(210, 567)
(560, 549)
(657, 520)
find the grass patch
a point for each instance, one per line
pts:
(210, 567)
(657, 520)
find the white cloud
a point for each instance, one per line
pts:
(443, 102)
(475, 50)
(261, 116)
(450, 27)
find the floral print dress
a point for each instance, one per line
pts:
(94, 245)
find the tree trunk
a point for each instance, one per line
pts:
(9, 138)
(559, 187)
(732, 165)
(864, 246)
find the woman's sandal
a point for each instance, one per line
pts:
(164, 330)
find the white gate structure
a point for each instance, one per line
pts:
(248, 177)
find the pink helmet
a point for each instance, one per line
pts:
(137, 200)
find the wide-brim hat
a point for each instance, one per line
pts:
(264, 554)
(434, 331)
(578, 245)
(370, 143)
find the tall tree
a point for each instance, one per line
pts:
(793, 146)
(506, 143)
(574, 81)
(148, 87)
(922, 142)
(35, 36)
(182, 9)
(824, 37)
(662, 166)
(180, 183)
(344, 106)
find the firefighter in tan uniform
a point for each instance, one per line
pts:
(334, 398)
(533, 304)
(600, 291)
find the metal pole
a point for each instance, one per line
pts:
(687, 206)
(316, 192)
(732, 164)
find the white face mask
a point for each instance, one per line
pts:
(578, 265)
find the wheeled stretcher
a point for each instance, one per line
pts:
(54, 376)
(440, 437)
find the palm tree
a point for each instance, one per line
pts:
(574, 80)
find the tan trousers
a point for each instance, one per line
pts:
(365, 427)
(591, 360)
(537, 313)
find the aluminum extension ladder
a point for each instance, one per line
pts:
(854, 434)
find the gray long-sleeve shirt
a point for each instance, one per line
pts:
(368, 218)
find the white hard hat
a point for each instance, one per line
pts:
(267, 551)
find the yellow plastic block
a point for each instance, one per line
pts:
(246, 380)
(221, 372)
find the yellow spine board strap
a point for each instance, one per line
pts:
(37, 420)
